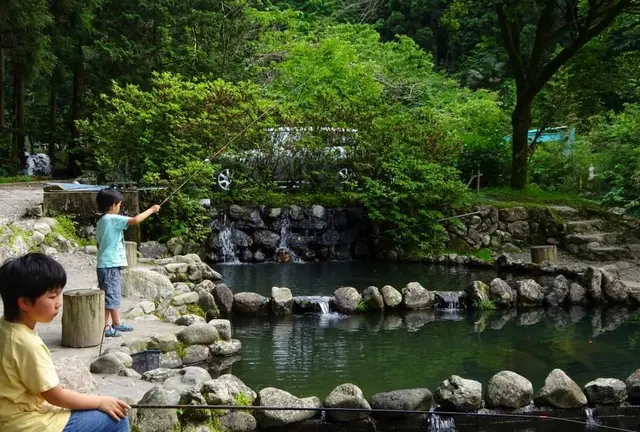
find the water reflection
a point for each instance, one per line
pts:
(312, 353)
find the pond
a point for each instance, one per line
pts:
(323, 278)
(310, 354)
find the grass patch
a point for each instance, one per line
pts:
(67, 229)
(194, 309)
(533, 196)
(484, 305)
(483, 254)
(21, 179)
(242, 400)
(362, 306)
(181, 350)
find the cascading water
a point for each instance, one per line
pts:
(591, 416)
(440, 424)
(284, 251)
(450, 301)
(227, 248)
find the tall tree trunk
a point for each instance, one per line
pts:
(53, 115)
(76, 101)
(1, 86)
(521, 122)
(18, 97)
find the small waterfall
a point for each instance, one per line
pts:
(37, 165)
(441, 424)
(449, 301)
(591, 416)
(314, 303)
(324, 307)
(227, 248)
(284, 252)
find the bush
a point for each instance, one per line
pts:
(554, 169)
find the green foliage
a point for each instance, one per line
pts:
(195, 310)
(484, 305)
(242, 399)
(553, 169)
(67, 228)
(362, 306)
(533, 196)
(614, 138)
(181, 350)
(16, 179)
(408, 201)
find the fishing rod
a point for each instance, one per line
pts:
(539, 417)
(224, 147)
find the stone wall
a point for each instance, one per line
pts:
(258, 233)
(495, 228)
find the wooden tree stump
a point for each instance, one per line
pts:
(82, 318)
(543, 253)
(132, 253)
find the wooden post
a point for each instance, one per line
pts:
(82, 318)
(543, 253)
(132, 253)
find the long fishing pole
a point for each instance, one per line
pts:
(539, 417)
(224, 147)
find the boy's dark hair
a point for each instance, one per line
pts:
(30, 276)
(108, 197)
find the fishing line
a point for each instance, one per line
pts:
(224, 147)
(539, 417)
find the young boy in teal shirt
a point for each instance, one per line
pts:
(112, 256)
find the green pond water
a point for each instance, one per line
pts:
(310, 354)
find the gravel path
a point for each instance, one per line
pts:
(14, 199)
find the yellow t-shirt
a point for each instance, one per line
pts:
(26, 370)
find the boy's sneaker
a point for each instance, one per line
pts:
(123, 327)
(111, 332)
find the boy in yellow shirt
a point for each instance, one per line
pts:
(31, 397)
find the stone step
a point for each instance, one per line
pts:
(598, 237)
(584, 226)
(607, 253)
(567, 213)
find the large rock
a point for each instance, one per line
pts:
(266, 238)
(633, 386)
(477, 291)
(519, 230)
(273, 397)
(347, 300)
(156, 420)
(237, 421)
(593, 283)
(281, 301)
(530, 293)
(459, 394)
(250, 303)
(577, 294)
(185, 299)
(500, 293)
(507, 389)
(513, 214)
(392, 297)
(419, 399)
(225, 390)
(372, 298)
(224, 348)
(198, 271)
(152, 249)
(190, 378)
(560, 391)
(196, 354)
(613, 288)
(417, 297)
(143, 283)
(198, 334)
(558, 292)
(224, 298)
(224, 328)
(107, 364)
(246, 217)
(606, 391)
(75, 375)
(208, 304)
(346, 396)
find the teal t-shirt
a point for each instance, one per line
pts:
(110, 234)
